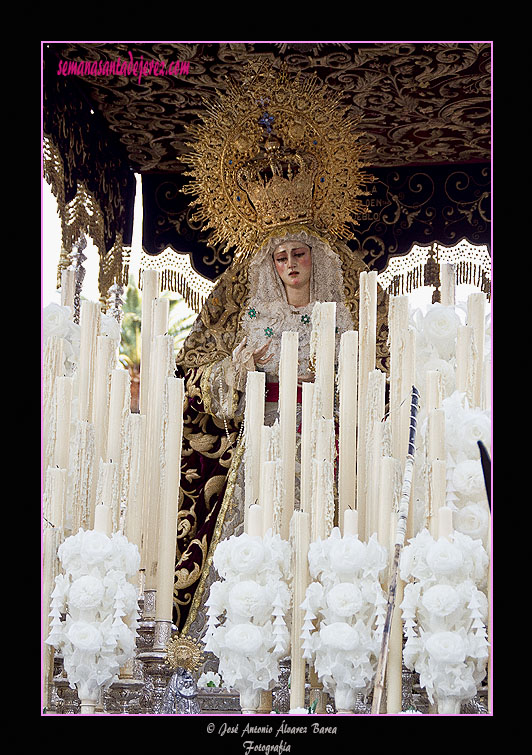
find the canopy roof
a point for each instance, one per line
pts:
(425, 110)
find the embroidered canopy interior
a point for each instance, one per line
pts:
(425, 112)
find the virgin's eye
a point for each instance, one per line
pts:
(281, 259)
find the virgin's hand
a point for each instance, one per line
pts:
(259, 355)
(237, 353)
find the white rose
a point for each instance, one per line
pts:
(446, 647)
(475, 426)
(441, 600)
(440, 327)
(245, 639)
(96, 547)
(222, 557)
(56, 321)
(345, 599)
(247, 599)
(473, 520)
(468, 479)
(124, 556)
(84, 636)
(339, 635)
(347, 556)
(444, 558)
(444, 367)
(86, 593)
(69, 553)
(247, 554)
(109, 326)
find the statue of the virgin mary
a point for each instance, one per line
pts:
(277, 173)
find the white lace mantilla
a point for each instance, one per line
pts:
(267, 314)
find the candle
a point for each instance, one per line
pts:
(436, 435)
(464, 360)
(105, 364)
(54, 496)
(253, 424)
(287, 422)
(387, 477)
(68, 287)
(445, 522)
(447, 278)
(137, 440)
(271, 473)
(307, 399)
(324, 348)
(103, 519)
(150, 288)
(162, 366)
(118, 410)
(255, 520)
(169, 505)
(350, 522)
(437, 492)
(433, 390)
(347, 387)
(81, 464)
(109, 492)
(89, 327)
(475, 318)
(160, 309)
(375, 425)
(64, 389)
(300, 530)
(323, 480)
(367, 334)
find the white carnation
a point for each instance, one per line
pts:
(86, 593)
(444, 558)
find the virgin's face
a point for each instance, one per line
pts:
(293, 262)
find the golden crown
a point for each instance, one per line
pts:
(273, 152)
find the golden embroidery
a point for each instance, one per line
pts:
(227, 501)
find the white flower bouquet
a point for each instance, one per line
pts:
(345, 610)
(246, 627)
(57, 321)
(98, 635)
(445, 614)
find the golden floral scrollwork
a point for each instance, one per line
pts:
(422, 102)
